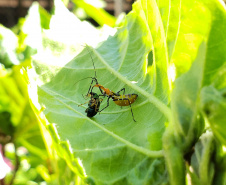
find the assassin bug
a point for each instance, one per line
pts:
(118, 99)
(94, 105)
(121, 100)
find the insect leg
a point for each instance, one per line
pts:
(91, 87)
(130, 108)
(83, 103)
(107, 104)
(129, 105)
(85, 97)
(131, 111)
(102, 91)
(123, 89)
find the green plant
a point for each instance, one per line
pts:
(30, 158)
(170, 53)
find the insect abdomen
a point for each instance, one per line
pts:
(91, 112)
(125, 100)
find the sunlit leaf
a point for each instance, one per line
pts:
(187, 123)
(98, 14)
(111, 143)
(8, 44)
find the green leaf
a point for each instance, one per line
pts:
(98, 14)
(32, 27)
(202, 166)
(187, 25)
(213, 103)
(220, 165)
(148, 174)
(213, 95)
(44, 17)
(157, 42)
(110, 145)
(216, 55)
(175, 168)
(12, 99)
(8, 44)
(187, 124)
(185, 103)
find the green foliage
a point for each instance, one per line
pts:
(179, 135)
(21, 134)
(202, 165)
(8, 57)
(98, 14)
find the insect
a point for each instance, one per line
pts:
(118, 99)
(93, 105)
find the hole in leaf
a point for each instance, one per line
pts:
(150, 58)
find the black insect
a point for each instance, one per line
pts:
(93, 104)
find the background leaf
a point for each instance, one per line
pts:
(183, 34)
(98, 14)
(187, 124)
(202, 167)
(8, 56)
(214, 107)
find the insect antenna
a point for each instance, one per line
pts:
(94, 79)
(87, 47)
(82, 79)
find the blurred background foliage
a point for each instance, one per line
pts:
(25, 157)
